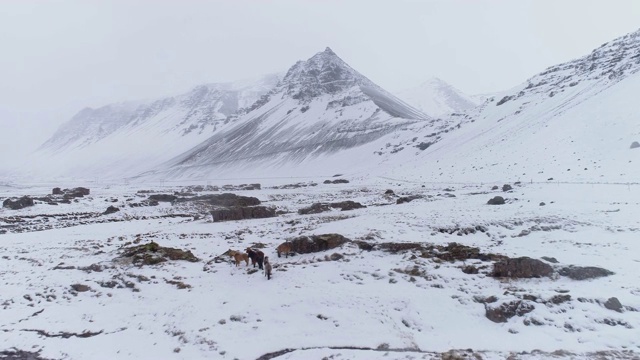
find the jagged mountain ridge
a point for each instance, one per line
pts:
(322, 106)
(437, 98)
(199, 110)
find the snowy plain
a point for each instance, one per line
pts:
(390, 305)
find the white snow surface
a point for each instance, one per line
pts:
(390, 305)
(436, 97)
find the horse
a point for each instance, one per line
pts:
(284, 248)
(256, 256)
(267, 268)
(238, 257)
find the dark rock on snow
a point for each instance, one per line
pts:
(245, 212)
(316, 243)
(522, 267)
(506, 187)
(163, 197)
(505, 311)
(18, 203)
(497, 200)
(322, 207)
(584, 272)
(613, 304)
(110, 210)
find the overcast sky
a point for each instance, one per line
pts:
(57, 57)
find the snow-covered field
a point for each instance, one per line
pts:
(344, 303)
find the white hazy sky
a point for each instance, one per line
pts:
(57, 57)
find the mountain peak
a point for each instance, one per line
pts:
(323, 73)
(328, 51)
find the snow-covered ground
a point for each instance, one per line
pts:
(364, 305)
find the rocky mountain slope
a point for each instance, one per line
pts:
(437, 98)
(129, 136)
(575, 121)
(322, 108)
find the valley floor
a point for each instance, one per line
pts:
(66, 292)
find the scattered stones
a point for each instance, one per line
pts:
(506, 187)
(505, 311)
(18, 203)
(613, 304)
(584, 272)
(497, 200)
(522, 267)
(110, 210)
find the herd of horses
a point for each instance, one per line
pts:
(257, 257)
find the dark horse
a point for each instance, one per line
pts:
(256, 256)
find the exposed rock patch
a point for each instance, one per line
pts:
(110, 210)
(152, 253)
(507, 310)
(18, 203)
(336, 181)
(584, 272)
(163, 197)
(497, 200)
(240, 213)
(522, 267)
(316, 243)
(323, 207)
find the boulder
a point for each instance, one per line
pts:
(406, 199)
(110, 210)
(314, 209)
(497, 200)
(337, 181)
(495, 187)
(613, 304)
(522, 267)
(245, 212)
(389, 192)
(152, 253)
(635, 145)
(584, 272)
(505, 311)
(225, 200)
(506, 187)
(18, 203)
(316, 243)
(56, 191)
(163, 197)
(322, 207)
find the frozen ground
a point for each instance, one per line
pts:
(367, 305)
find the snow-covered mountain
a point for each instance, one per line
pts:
(437, 98)
(321, 107)
(131, 136)
(575, 121)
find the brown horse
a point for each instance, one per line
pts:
(284, 248)
(238, 257)
(267, 268)
(256, 256)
